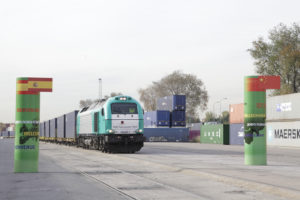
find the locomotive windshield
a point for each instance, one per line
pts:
(124, 108)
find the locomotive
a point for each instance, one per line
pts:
(114, 125)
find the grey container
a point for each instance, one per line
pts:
(47, 128)
(11, 133)
(5, 133)
(283, 108)
(53, 127)
(283, 133)
(194, 126)
(236, 134)
(171, 103)
(71, 124)
(41, 129)
(61, 126)
(166, 134)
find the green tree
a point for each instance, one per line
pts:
(181, 84)
(210, 117)
(280, 55)
(224, 117)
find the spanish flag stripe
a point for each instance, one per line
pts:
(40, 84)
(22, 81)
(27, 92)
(40, 79)
(40, 89)
(22, 87)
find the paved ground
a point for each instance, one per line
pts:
(159, 171)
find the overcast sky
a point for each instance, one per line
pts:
(129, 44)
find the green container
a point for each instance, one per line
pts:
(215, 134)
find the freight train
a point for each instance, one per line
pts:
(114, 125)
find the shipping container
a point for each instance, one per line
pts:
(53, 128)
(170, 103)
(5, 133)
(236, 136)
(284, 107)
(61, 127)
(178, 119)
(41, 129)
(236, 113)
(158, 118)
(166, 134)
(215, 134)
(283, 133)
(194, 126)
(194, 135)
(11, 133)
(71, 124)
(47, 129)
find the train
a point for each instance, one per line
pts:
(115, 125)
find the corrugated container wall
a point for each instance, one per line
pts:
(170, 103)
(42, 129)
(159, 118)
(215, 134)
(11, 133)
(236, 113)
(283, 133)
(178, 118)
(71, 124)
(61, 128)
(166, 134)
(47, 128)
(284, 107)
(194, 134)
(236, 136)
(53, 126)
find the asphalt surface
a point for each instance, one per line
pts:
(53, 182)
(158, 171)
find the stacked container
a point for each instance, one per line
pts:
(158, 118)
(236, 120)
(166, 134)
(176, 104)
(283, 120)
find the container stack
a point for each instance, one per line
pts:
(283, 120)
(236, 120)
(167, 123)
(176, 104)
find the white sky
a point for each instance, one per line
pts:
(129, 44)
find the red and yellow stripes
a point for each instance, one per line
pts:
(261, 83)
(34, 85)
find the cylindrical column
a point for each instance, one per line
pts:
(27, 128)
(254, 123)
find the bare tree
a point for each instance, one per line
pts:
(177, 83)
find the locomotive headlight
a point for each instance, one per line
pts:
(139, 131)
(110, 131)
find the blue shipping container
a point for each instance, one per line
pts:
(158, 118)
(171, 103)
(166, 134)
(71, 124)
(178, 118)
(236, 134)
(41, 129)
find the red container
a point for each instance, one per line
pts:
(236, 113)
(193, 134)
